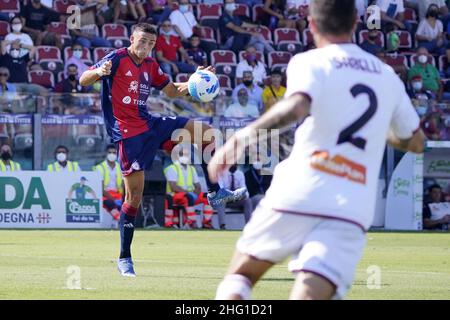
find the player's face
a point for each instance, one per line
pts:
(142, 43)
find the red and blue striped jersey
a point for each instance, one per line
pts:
(125, 92)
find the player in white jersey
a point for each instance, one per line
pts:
(322, 198)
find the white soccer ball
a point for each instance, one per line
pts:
(203, 85)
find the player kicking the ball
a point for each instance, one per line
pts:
(322, 198)
(128, 74)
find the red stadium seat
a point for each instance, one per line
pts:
(209, 11)
(364, 35)
(259, 56)
(405, 39)
(10, 6)
(413, 60)
(223, 56)
(60, 76)
(396, 59)
(182, 77)
(52, 65)
(100, 52)
(227, 69)
(86, 56)
(241, 10)
(58, 27)
(265, 32)
(286, 34)
(42, 77)
(119, 42)
(114, 30)
(277, 58)
(62, 5)
(4, 28)
(208, 33)
(47, 52)
(410, 15)
(307, 37)
(258, 12)
(225, 81)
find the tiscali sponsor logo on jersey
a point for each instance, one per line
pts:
(133, 86)
(338, 166)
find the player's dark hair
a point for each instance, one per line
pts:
(434, 186)
(144, 27)
(110, 146)
(61, 147)
(334, 17)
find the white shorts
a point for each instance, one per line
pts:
(327, 247)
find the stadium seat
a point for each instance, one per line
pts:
(286, 34)
(58, 27)
(114, 30)
(47, 52)
(413, 60)
(264, 31)
(405, 39)
(364, 35)
(396, 59)
(62, 5)
(226, 69)
(292, 47)
(223, 56)
(277, 58)
(4, 29)
(100, 52)
(119, 42)
(410, 15)
(259, 56)
(442, 62)
(60, 76)
(258, 12)
(307, 37)
(208, 33)
(86, 56)
(10, 6)
(209, 11)
(182, 77)
(87, 136)
(225, 81)
(241, 10)
(43, 77)
(23, 141)
(52, 65)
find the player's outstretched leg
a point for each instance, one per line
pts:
(134, 186)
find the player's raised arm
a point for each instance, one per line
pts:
(90, 76)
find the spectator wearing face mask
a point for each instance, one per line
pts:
(420, 97)
(6, 162)
(242, 108)
(26, 44)
(429, 74)
(113, 187)
(71, 84)
(430, 33)
(251, 63)
(274, 92)
(254, 91)
(62, 164)
(77, 53)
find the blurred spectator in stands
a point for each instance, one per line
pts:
(232, 180)
(36, 18)
(62, 164)
(108, 11)
(18, 67)
(417, 90)
(167, 48)
(77, 53)
(434, 126)
(257, 183)
(26, 44)
(86, 36)
(252, 64)
(274, 92)
(8, 94)
(6, 162)
(436, 212)
(243, 108)
(160, 10)
(237, 34)
(183, 185)
(274, 17)
(430, 33)
(430, 75)
(197, 54)
(133, 10)
(392, 15)
(400, 69)
(5, 86)
(297, 10)
(113, 187)
(370, 44)
(254, 91)
(424, 5)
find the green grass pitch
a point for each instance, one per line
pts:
(176, 265)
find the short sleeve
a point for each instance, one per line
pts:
(159, 78)
(303, 76)
(383, 4)
(405, 120)
(110, 56)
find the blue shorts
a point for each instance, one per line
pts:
(137, 153)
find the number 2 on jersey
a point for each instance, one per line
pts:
(347, 135)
